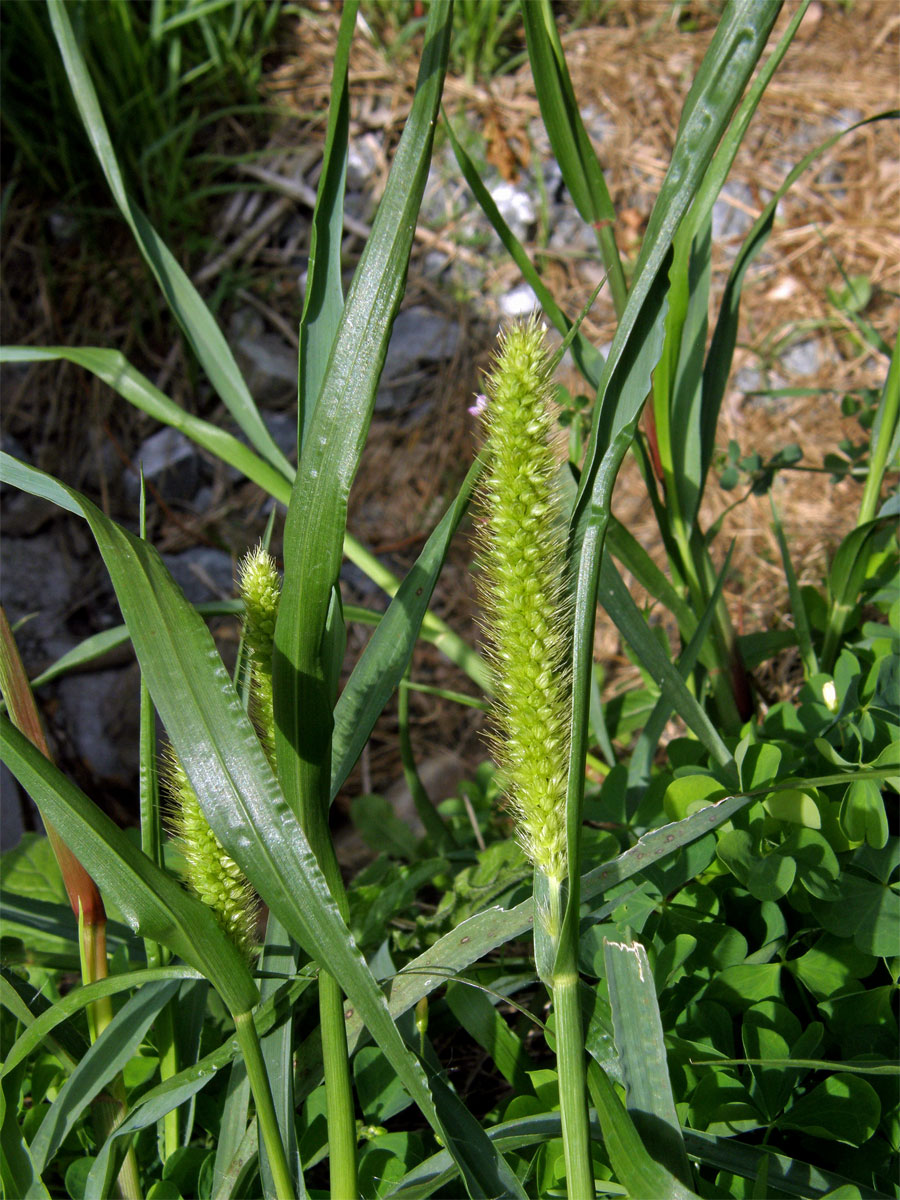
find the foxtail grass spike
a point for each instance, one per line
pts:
(260, 589)
(210, 871)
(522, 584)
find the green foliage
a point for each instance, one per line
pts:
(486, 39)
(178, 67)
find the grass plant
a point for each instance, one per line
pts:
(715, 922)
(178, 67)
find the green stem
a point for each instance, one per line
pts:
(338, 1091)
(335, 1055)
(248, 1040)
(572, 1084)
(168, 1067)
(556, 942)
(111, 1109)
(883, 437)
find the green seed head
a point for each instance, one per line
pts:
(260, 589)
(209, 870)
(522, 584)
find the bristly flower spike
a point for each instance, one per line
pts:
(210, 871)
(260, 588)
(523, 593)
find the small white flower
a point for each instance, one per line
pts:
(829, 695)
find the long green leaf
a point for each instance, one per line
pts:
(477, 936)
(571, 145)
(885, 438)
(385, 658)
(323, 302)
(73, 1002)
(115, 370)
(589, 360)
(316, 520)
(233, 1126)
(798, 608)
(689, 421)
(790, 1175)
(279, 959)
(56, 921)
(179, 1089)
(642, 1055)
(482, 1166)
(724, 339)
(735, 48)
(151, 901)
(182, 297)
(616, 599)
(475, 1013)
(26, 1004)
(105, 1059)
(18, 1175)
(634, 1167)
(641, 759)
(224, 761)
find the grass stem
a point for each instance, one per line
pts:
(265, 1108)
(338, 1091)
(572, 1085)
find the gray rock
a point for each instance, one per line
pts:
(203, 573)
(101, 714)
(568, 232)
(38, 583)
(598, 124)
(519, 302)
(362, 161)
(283, 428)
(65, 228)
(359, 588)
(516, 208)
(748, 379)
(170, 461)
(269, 365)
(11, 445)
(803, 358)
(420, 338)
(12, 801)
(23, 514)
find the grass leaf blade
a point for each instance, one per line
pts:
(382, 663)
(324, 299)
(642, 1053)
(182, 297)
(316, 520)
